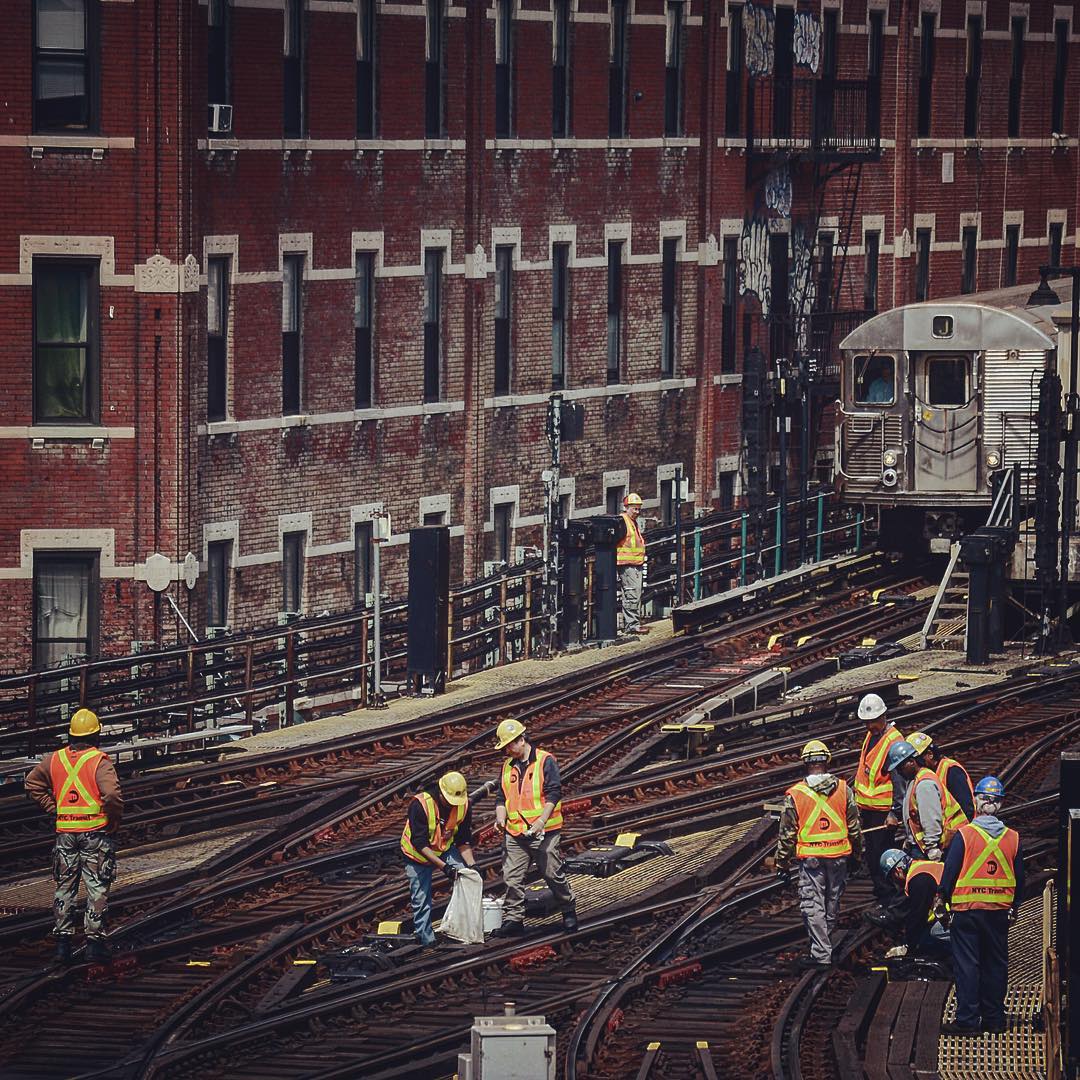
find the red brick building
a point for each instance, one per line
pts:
(354, 285)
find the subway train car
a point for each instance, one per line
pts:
(937, 396)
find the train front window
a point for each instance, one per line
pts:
(947, 381)
(875, 380)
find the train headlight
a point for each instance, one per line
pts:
(888, 477)
(889, 458)
(993, 459)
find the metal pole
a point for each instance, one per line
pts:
(820, 524)
(858, 531)
(377, 583)
(676, 600)
(697, 562)
(777, 561)
(804, 465)
(1068, 487)
(744, 523)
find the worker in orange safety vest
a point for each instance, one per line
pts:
(78, 785)
(820, 830)
(630, 558)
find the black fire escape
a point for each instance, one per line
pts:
(820, 129)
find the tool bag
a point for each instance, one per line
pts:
(464, 917)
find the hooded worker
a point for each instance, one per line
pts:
(78, 784)
(820, 831)
(437, 836)
(923, 811)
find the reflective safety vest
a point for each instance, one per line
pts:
(525, 798)
(915, 826)
(441, 833)
(823, 830)
(987, 878)
(923, 866)
(75, 789)
(631, 549)
(953, 815)
(873, 785)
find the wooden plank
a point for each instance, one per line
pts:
(851, 1030)
(926, 1044)
(876, 1061)
(904, 1031)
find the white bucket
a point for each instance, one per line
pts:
(493, 912)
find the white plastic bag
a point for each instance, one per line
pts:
(464, 918)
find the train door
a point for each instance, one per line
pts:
(946, 422)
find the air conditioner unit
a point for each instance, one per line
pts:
(220, 119)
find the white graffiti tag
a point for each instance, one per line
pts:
(754, 263)
(759, 40)
(807, 43)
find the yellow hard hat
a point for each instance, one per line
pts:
(633, 499)
(921, 741)
(507, 732)
(454, 789)
(84, 722)
(815, 750)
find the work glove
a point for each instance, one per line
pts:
(451, 871)
(535, 832)
(896, 952)
(891, 819)
(934, 854)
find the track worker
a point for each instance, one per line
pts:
(78, 784)
(437, 836)
(984, 882)
(630, 558)
(819, 828)
(923, 813)
(528, 812)
(957, 794)
(877, 796)
(919, 880)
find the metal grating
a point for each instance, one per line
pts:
(1019, 1054)
(1011, 383)
(862, 447)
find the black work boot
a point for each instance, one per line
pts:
(569, 920)
(63, 949)
(98, 951)
(509, 929)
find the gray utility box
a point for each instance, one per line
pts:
(512, 1048)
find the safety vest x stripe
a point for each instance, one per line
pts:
(873, 786)
(82, 814)
(974, 889)
(823, 827)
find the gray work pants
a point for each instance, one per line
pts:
(518, 852)
(821, 884)
(630, 577)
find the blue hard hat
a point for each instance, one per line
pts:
(992, 786)
(898, 753)
(891, 859)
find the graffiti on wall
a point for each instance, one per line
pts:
(754, 262)
(778, 191)
(758, 24)
(807, 43)
(803, 283)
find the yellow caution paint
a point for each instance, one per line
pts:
(388, 927)
(627, 839)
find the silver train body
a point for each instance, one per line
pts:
(937, 396)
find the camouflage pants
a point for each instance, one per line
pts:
(90, 856)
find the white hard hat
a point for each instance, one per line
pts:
(871, 707)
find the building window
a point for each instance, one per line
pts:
(293, 113)
(926, 73)
(434, 517)
(504, 68)
(364, 328)
(503, 518)
(1061, 62)
(1016, 75)
(433, 324)
(673, 69)
(218, 67)
(65, 607)
(1012, 251)
(669, 334)
(823, 300)
(560, 312)
(1056, 230)
(613, 499)
(731, 296)
(972, 75)
(293, 545)
(565, 510)
(560, 70)
(875, 62)
(65, 56)
(667, 501)
(217, 338)
(725, 491)
(218, 564)
(733, 94)
(66, 346)
(504, 276)
(363, 563)
(870, 280)
(365, 69)
(968, 244)
(434, 71)
(614, 310)
(292, 324)
(617, 126)
(922, 264)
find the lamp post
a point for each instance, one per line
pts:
(380, 533)
(1045, 295)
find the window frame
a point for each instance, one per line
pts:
(561, 70)
(1012, 253)
(969, 254)
(729, 326)
(972, 73)
(91, 55)
(292, 340)
(669, 307)
(363, 562)
(922, 264)
(615, 333)
(364, 329)
(219, 52)
(367, 36)
(217, 340)
(1061, 72)
(618, 73)
(734, 71)
(930, 361)
(433, 345)
(502, 523)
(91, 559)
(927, 51)
(560, 314)
(875, 61)
(92, 393)
(434, 69)
(504, 69)
(294, 117)
(872, 244)
(504, 320)
(674, 66)
(1055, 236)
(856, 380)
(219, 553)
(613, 496)
(293, 561)
(1017, 34)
